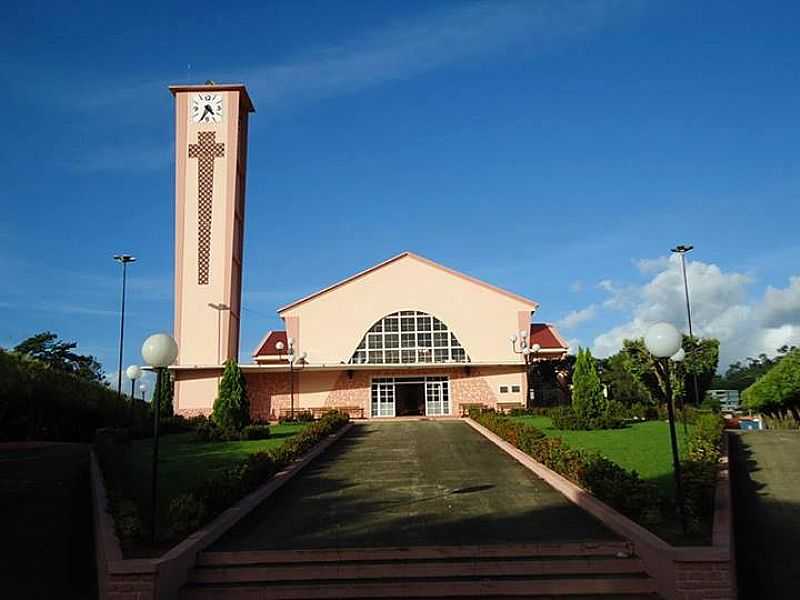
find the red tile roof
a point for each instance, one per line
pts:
(547, 336)
(267, 345)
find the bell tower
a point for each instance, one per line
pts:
(210, 167)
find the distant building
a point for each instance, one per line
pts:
(728, 399)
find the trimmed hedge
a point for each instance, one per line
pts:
(40, 403)
(189, 511)
(624, 490)
(619, 488)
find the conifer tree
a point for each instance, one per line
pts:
(163, 394)
(588, 401)
(231, 408)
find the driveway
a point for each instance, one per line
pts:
(412, 483)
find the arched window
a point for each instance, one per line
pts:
(408, 336)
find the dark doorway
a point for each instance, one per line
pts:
(409, 399)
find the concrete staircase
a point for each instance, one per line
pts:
(579, 570)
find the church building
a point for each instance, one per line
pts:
(406, 337)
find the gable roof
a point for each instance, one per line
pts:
(547, 336)
(267, 345)
(421, 259)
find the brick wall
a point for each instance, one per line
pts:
(704, 580)
(139, 586)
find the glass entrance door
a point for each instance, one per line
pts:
(383, 398)
(437, 396)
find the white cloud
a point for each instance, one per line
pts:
(720, 309)
(781, 307)
(576, 317)
(438, 38)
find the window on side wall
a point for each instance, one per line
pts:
(515, 389)
(503, 389)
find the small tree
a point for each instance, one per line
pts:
(164, 394)
(588, 401)
(231, 408)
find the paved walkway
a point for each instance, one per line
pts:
(767, 513)
(412, 483)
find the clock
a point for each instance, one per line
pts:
(207, 108)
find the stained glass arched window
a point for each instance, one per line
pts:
(409, 336)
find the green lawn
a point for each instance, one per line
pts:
(643, 447)
(185, 463)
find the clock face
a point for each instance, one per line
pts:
(207, 108)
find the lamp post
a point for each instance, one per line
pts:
(663, 341)
(122, 259)
(143, 389)
(528, 352)
(133, 372)
(682, 249)
(159, 351)
(219, 308)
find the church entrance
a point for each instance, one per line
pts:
(410, 396)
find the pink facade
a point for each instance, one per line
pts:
(269, 393)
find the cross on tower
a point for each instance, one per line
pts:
(205, 151)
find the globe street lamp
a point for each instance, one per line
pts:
(528, 353)
(663, 341)
(159, 351)
(133, 372)
(143, 389)
(122, 259)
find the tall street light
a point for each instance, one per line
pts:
(123, 259)
(143, 389)
(219, 308)
(663, 341)
(159, 351)
(682, 250)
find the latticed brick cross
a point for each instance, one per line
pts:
(205, 151)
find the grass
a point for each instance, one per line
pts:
(185, 463)
(641, 447)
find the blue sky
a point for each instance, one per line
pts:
(558, 149)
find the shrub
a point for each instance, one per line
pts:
(622, 489)
(41, 403)
(255, 432)
(187, 513)
(699, 470)
(209, 431)
(231, 408)
(127, 520)
(300, 416)
(174, 424)
(566, 419)
(219, 492)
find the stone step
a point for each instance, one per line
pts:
(437, 568)
(609, 587)
(573, 549)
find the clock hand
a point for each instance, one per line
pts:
(203, 116)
